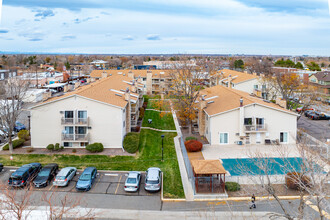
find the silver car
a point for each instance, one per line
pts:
(64, 177)
(153, 179)
(132, 183)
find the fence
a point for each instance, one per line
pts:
(314, 144)
(187, 164)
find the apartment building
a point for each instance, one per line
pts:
(103, 111)
(245, 82)
(229, 116)
(322, 81)
(154, 81)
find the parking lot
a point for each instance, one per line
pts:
(107, 182)
(319, 129)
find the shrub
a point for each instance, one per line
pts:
(29, 150)
(50, 147)
(94, 148)
(141, 113)
(297, 181)
(57, 147)
(16, 143)
(232, 186)
(74, 151)
(145, 104)
(193, 145)
(23, 134)
(190, 138)
(131, 142)
(61, 148)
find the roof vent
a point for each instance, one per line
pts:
(241, 102)
(210, 102)
(124, 74)
(118, 95)
(122, 90)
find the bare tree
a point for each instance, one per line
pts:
(11, 104)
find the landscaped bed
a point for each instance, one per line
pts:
(149, 155)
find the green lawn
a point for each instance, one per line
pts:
(153, 104)
(149, 156)
(165, 122)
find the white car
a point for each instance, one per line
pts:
(64, 177)
(132, 183)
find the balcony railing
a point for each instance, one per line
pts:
(75, 137)
(75, 121)
(256, 128)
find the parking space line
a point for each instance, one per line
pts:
(118, 184)
(110, 174)
(12, 170)
(51, 187)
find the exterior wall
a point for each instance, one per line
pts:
(247, 86)
(276, 122)
(106, 122)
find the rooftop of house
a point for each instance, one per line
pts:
(221, 99)
(237, 77)
(137, 73)
(322, 76)
(110, 90)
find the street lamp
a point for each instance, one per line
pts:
(163, 147)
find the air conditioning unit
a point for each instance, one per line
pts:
(253, 129)
(61, 112)
(237, 134)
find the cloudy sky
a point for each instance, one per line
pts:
(294, 27)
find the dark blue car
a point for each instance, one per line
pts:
(24, 175)
(86, 179)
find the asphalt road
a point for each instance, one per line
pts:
(320, 129)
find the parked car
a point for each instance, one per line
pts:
(301, 109)
(64, 177)
(314, 115)
(132, 183)
(323, 116)
(153, 179)
(19, 126)
(308, 112)
(46, 174)
(24, 175)
(86, 179)
(1, 167)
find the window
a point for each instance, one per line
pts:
(144, 79)
(81, 130)
(284, 137)
(82, 114)
(247, 121)
(68, 114)
(223, 138)
(260, 121)
(83, 144)
(255, 86)
(67, 144)
(68, 130)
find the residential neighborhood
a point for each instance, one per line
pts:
(164, 110)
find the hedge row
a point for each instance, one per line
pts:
(16, 143)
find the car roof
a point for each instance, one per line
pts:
(133, 174)
(65, 170)
(22, 169)
(89, 169)
(153, 173)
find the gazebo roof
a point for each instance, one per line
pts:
(208, 167)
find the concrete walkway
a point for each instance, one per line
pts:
(155, 129)
(188, 190)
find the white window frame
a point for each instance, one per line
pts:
(287, 137)
(220, 138)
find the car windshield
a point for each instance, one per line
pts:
(152, 181)
(16, 178)
(131, 180)
(60, 177)
(85, 177)
(44, 173)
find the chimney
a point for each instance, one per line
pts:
(130, 74)
(241, 102)
(202, 102)
(134, 86)
(104, 75)
(127, 95)
(229, 80)
(201, 116)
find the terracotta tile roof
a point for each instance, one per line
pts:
(207, 167)
(102, 91)
(237, 77)
(137, 73)
(228, 99)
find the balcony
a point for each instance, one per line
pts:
(255, 128)
(75, 121)
(75, 137)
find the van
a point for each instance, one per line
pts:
(24, 175)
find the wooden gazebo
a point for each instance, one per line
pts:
(209, 176)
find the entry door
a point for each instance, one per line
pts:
(258, 138)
